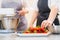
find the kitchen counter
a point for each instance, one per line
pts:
(15, 37)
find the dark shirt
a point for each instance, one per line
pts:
(44, 12)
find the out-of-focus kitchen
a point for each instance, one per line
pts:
(9, 29)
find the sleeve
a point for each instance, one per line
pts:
(52, 3)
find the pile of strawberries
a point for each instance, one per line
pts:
(36, 30)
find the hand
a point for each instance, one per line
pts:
(22, 12)
(46, 23)
(30, 25)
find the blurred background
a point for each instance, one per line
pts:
(28, 5)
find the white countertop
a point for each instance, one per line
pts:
(14, 37)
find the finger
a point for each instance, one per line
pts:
(49, 25)
(46, 24)
(42, 24)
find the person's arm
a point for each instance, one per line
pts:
(51, 18)
(34, 11)
(54, 10)
(53, 13)
(34, 17)
(23, 11)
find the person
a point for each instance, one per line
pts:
(46, 13)
(20, 11)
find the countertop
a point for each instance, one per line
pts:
(15, 37)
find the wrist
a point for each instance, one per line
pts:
(30, 25)
(50, 21)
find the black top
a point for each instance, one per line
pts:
(44, 12)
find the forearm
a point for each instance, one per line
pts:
(53, 14)
(34, 17)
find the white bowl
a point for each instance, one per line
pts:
(56, 28)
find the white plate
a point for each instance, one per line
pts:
(34, 34)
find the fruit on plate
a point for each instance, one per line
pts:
(36, 30)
